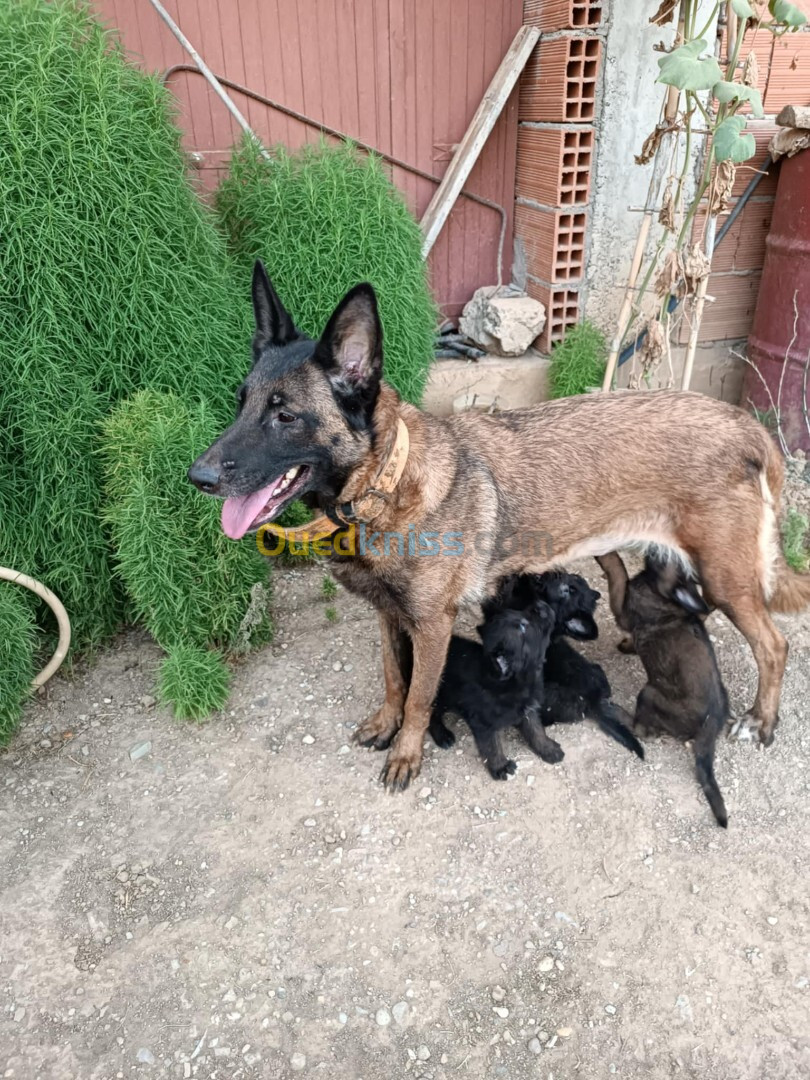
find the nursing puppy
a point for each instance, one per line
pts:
(497, 685)
(575, 688)
(661, 608)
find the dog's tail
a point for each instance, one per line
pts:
(610, 719)
(704, 767)
(785, 590)
(791, 591)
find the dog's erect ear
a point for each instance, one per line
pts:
(351, 353)
(581, 626)
(687, 595)
(273, 323)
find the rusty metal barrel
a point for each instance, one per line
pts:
(779, 343)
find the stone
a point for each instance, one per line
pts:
(145, 1056)
(502, 320)
(139, 750)
(308, 740)
(383, 1017)
(501, 1011)
(148, 701)
(610, 1010)
(298, 1062)
(422, 1053)
(794, 116)
(535, 1046)
(546, 964)
(400, 1011)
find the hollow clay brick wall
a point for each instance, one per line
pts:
(558, 102)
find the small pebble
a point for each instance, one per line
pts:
(139, 750)
(383, 1017)
(498, 993)
(610, 1009)
(535, 1046)
(424, 792)
(501, 1011)
(146, 1057)
(337, 666)
(422, 1053)
(772, 920)
(310, 823)
(565, 1033)
(148, 701)
(400, 1011)
(308, 739)
(298, 1062)
(546, 964)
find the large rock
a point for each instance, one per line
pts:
(502, 320)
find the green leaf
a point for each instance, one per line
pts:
(684, 69)
(743, 9)
(787, 13)
(726, 92)
(730, 144)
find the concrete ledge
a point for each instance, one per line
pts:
(504, 381)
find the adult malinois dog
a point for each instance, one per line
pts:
(482, 496)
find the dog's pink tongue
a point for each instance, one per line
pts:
(240, 511)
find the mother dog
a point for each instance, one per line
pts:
(585, 475)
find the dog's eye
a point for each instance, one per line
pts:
(285, 417)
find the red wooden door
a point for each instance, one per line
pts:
(404, 76)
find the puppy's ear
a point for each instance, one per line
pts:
(274, 325)
(581, 627)
(351, 353)
(687, 595)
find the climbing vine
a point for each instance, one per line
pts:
(704, 106)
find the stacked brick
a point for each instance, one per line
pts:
(557, 109)
(784, 79)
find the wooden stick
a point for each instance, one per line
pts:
(476, 135)
(700, 301)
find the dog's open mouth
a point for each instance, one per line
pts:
(241, 513)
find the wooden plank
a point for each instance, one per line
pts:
(477, 134)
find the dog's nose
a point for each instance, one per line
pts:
(204, 477)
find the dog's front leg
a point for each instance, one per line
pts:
(380, 729)
(430, 642)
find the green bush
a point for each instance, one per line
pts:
(794, 540)
(322, 220)
(113, 277)
(17, 645)
(188, 583)
(194, 682)
(578, 362)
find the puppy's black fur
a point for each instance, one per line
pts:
(498, 684)
(684, 695)
(574, 687)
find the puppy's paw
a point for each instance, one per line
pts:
(504, 771)
(442, 735)
(552, 753)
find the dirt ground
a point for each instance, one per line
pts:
(244, 901)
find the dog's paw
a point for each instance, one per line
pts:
(379, 730)
(503, 772)
(400, 769)
(552, 753)
(442, 736)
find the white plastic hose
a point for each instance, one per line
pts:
(57, 607)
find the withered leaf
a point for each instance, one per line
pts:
(665, 11)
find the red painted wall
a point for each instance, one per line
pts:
(405, 77)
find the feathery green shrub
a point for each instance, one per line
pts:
(113, 277)
(194, 681)
(578, 362)
(188, 583)
(322, 220)
(17, 645)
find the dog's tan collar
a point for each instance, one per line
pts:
(369, 505)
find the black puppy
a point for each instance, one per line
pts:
(661, 608)
(498, 684)
(574, 687)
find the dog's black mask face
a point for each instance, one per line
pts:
(573, 602)
(304, 412)
(662, 589)
(515, 642)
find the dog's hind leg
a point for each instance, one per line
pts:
(539, 742)
(440, 732)
(733, 587)
(704, 766)
(379, 730)
(430, 642)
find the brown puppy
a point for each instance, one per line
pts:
(662, 610)
(483, 496)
